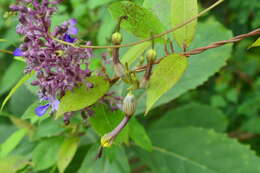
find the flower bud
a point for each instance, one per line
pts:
(151, 54)
(129, 104)
(116, 38)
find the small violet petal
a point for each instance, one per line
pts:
(41, 110)
(68, 38)
(18, 52)
(73, 21)
(54, 104)
(73, 30)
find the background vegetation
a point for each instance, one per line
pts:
(227, 103)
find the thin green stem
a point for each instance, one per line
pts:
(147, 39)
(6, 51)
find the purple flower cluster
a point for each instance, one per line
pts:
(58, 67)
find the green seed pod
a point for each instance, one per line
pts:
(151, 54)
(129, 104)
(117, 38)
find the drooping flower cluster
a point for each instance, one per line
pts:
(58, 67)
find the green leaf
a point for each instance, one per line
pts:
(94, 3)
(49, 128)
(46, 153)
(10, 144)
(196, 150)
(95, 64)
(138, 134)
(12, 164)
(13, 90)
(105, 120)
(161, 8)
(82, 97)
(255, 44)
(193, 115)
(218, 101)
(20, 58)
(107, 27)
(67, 152)
(252, 125)
(210, 61)
(250, 107)
(164, 77)
(141, 22)
(134, 52)
(11, 76)
(182, 11)
(114, 160)
(23, 125)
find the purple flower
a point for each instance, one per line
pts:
(72, 30)
(41, 110)
(53, 103)
(68, 38)
(57, 66)
(18, 52)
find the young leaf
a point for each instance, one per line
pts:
(138, 134)
(11, 76)
(164, 77)
(255, 44)
(82, 97)
(66, 153)
(12, 142)
(46, 153)
(104, 121)
(12, 164)
(182, 11)
(134, 52)
(193, 115)
(161, 8)
(196, 150)
(13, 90)
(140, 22)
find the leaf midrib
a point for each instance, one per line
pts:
(181, 157)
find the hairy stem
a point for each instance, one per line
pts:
(211, 46)
(113, 134)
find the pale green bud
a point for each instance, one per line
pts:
(151, 54)
(117, 38)
(129, 104)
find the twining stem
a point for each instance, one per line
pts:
(200, 50)
(211, 46)
(147, 39)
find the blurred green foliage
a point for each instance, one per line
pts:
(229, 102)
